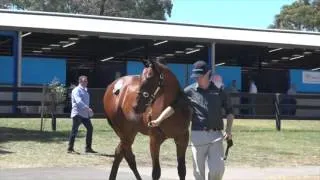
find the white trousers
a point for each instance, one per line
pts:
(207, 146)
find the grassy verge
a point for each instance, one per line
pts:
(256, 144)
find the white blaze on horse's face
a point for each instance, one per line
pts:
(148, 81)
(147, 73)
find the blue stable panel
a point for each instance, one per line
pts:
(296, 79)
(179, 70)
(35, 70)
(38, 71)
(230, 73)
(6, 70)
(134, 67)
(8, 33)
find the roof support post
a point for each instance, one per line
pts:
(212, 56)
(17, 61)
(19, 64)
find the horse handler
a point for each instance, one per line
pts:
(207, 99)
(81, 113)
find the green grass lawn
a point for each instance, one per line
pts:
(256, 144)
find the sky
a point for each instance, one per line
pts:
(257, 14)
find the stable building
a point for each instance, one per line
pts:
(35, 47)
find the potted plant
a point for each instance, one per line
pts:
(57, 91)
(57, 95)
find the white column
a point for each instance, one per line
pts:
(212, 55)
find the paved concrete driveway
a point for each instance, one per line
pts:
(99, 173)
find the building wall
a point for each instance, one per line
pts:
(6, 69)
(38, 71)
(305, 81)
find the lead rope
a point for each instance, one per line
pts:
(153, 97)
(150, 104)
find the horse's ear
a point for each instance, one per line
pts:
(146, 62)
(152, 62)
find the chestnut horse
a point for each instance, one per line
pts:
(130, 103)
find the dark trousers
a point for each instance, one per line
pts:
(252, 109)
(76, 121)
(285, 110)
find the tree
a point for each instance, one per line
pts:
(4, 4)
(144, 9)
(300, 15)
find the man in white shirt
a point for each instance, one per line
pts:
(81, 114)
(292, 90)
(234, 100)
(291, 99)
(253, 90)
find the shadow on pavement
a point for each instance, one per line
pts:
(20, 134)
(2, 151)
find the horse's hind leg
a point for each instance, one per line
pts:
(124, 150)
(130, 158)
(117, 159)
(181, 145)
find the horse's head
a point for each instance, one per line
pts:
(151, 81)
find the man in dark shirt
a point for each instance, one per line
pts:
(207, 101)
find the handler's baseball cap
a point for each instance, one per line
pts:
(199, 68)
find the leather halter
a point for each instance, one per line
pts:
(152, 97)
(154, 94)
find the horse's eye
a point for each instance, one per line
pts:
(149, 75)
(145, 94)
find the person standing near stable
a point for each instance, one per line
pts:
(81, 113)
(252, 99)
(207, 101)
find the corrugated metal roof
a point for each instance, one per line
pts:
(150, 29)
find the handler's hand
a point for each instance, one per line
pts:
(227, 135)
(154, 123)
(90, 112)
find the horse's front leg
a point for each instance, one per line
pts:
(182, 144)
(155, 142)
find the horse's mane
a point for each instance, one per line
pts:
(165, 69)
